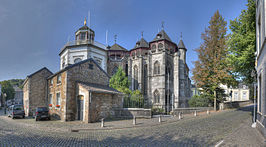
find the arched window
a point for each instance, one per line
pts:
(156, 95)
(156, 68)
(160, 45)
(77, 60)
(114, 70)
(135, 77)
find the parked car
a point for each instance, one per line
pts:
(42, 113)
(15, 111)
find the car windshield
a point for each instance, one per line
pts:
(18, 108)
(42, 109)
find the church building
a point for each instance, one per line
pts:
(157, 68)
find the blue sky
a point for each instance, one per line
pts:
(32, 32)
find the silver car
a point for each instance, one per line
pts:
(15, 111)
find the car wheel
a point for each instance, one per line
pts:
(23, 116)
(49, 118)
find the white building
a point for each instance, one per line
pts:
(82, 48)
(261, 64)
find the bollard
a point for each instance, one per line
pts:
(160, 118)
(179, 115)
(134, 120)
(208, 112)
(195, 114)
(102, 123)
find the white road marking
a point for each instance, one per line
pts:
(219, 143)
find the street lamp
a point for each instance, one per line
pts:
(253, 74)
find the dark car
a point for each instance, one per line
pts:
(42, 113)
(15, 111)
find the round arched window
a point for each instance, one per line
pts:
(160, 46)
(153, 46)
(77, 60)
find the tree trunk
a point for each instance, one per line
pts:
(214, 105)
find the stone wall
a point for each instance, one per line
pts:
(103, 105)
(26, 96)
(37, 90)
(191, 110)
(130, 112)
(84, 73)
(54, 88)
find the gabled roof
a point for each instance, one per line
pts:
(76, 64)
(97, 88)
(161, 36)
(117, 47)
(142, 43)
(181, 45)
(29, 76)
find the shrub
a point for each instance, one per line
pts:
(156, 111)
(202, 100)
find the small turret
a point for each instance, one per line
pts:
(182, 50)
(85, 33)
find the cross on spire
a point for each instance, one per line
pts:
(162, 25)
(115, 38)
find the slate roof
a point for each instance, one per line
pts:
(117, 47)
(29, 76)
(162, 35)
(181, 44)
(92, 87)
(142, 43)
(81, 62)
(85, 28)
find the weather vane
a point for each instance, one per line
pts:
(115, 38)
(181, 36)
(162, 24)
(142, 34)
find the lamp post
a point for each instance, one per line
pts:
(253, 74)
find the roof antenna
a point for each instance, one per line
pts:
(106, 38)
(162, 25)
(115, 38)
(89, 18)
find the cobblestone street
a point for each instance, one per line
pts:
(191, 131)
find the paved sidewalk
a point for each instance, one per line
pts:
(245, 135)
(56, 125)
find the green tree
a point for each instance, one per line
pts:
(8, 89)
(212, 69)
(242, 43)
(120, 82)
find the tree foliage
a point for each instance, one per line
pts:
(120, 82)
(203, 100)
(8, 89)
(242, 43)
(212, 69)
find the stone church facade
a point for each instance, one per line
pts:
(157, 68)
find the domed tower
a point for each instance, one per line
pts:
(85, 33)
